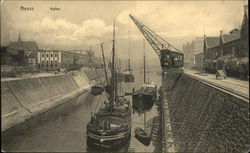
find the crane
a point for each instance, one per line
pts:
(169, 55)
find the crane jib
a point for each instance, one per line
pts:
(170, 57)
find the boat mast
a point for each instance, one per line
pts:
(91, 63)
(119, 72)
(116, 77)
(144, 64)
(129, 48)
(113, 72)
(104, 64)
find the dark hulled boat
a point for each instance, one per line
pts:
(120, 77)
(96, 90)
(144, 98)
(110, 127)
(128, 77)
(142, 136)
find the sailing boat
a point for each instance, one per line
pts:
(110, 127)
(141, 134)
(120, 75)
(96, 89)
(128, 76)
(143, 98)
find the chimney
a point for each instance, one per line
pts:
(221, 32)
(19, 39)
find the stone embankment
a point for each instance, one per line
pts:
(25, 98)
(203, 118)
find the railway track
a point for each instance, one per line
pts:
(238, 94)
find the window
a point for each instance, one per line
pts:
(47, 61)
(43, 65)
(42, 55)
(55, 61)
(55, 55)
(51, 55)
(51, 65)
(47, 55)
(51, 62)
(42, 61)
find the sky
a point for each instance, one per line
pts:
(85, 24)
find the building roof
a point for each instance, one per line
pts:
(234, 31)
(212, 41)
(24, 45)
(15, 47)
(230, 37)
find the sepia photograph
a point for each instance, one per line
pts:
(125, 76)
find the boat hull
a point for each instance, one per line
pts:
(107, 143)
(143, 140)
(129, 78)
(143, 102)
(142, 136)
(120, 77)
(96, 90)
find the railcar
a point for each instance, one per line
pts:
(171, 59)
(233, 67)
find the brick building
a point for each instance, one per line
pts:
(229, 51)
(57, 59)
(5, 56)
(23, 53)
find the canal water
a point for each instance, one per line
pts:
(63, 129)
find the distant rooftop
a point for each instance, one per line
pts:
(212, 41)
(20, 45)
(230, 37)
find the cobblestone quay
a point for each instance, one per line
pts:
(203, 118)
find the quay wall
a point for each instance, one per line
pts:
(25, 98)
(204, 118)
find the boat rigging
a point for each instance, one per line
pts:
(110, 127)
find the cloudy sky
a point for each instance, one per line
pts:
(84, 24)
